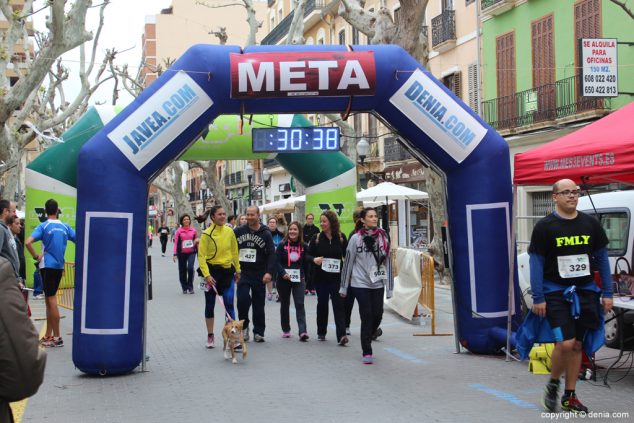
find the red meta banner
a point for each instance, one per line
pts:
(260, 75)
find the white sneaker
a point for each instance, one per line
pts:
(258, 338)
(245, 334)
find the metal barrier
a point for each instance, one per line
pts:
(66, 291)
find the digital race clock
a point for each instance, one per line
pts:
(295, 140)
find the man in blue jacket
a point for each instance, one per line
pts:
(257, 262)
(566, 248)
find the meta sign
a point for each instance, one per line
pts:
(290, 74)
(599, 67)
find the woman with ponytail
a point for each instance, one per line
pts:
(367, 275)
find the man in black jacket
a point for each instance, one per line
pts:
(257, 262)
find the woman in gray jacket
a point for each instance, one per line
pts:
(367, 273)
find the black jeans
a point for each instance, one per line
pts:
(163, 244)
(186, 270)
(330, 290)
(284, 289)
(251, 290)
(349, 305)
(371, 312)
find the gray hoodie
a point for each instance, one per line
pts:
(8, 247)
(358, 265)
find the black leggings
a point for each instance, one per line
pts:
(163, 244)
(371, 313)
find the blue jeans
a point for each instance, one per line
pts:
(38, 288)
(186, 270)
(251, 290)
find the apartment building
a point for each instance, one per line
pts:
(532, 76)
(167, 35)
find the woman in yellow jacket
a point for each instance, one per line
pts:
(219, 264)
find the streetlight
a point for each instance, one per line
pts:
(363, 148)
(203, 187)
(249, 171)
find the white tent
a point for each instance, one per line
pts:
(386, 191)
(285, 205)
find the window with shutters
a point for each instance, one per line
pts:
(355, 36)
(358, 123)
(587, 25)
(543, 56)
(453, 82)
(506, 80)
(472, 82)
(397, 15)
(342, 37)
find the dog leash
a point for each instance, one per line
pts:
(222, 302)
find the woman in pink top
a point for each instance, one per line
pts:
(185, 249)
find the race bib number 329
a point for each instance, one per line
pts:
(573, 266)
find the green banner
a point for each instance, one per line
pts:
(340, 200)
(35, 214)
(225, 142)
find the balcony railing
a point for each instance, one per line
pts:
(540, 104)
(281, 30)
(443, 28)
(233, 179)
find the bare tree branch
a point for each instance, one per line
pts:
(622, 4)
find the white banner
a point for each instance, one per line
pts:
(160, 120)
(408, 283)
(600, 68)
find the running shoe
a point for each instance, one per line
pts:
(303, 337)
(191, 291)
(269, 297)
(551, 395)
(211, 342)
(53, 342)
(258, 338)
(286, 334)
(367, 359)
(313, 292)
(45, 339)
(571, 403)
(306, 292)
(38, 297)
(321, 337)
(343, 341)
(184, 291)
(377, 333)
(245, 334)
(348, 332)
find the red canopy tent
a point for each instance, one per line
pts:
(601, 152)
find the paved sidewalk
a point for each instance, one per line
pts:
(283, 380)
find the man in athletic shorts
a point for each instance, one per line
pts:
(566, 248)
(54, 235)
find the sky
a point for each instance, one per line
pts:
(123, 26)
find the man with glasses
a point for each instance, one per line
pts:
(566, 248)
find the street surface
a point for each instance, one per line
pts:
(413, 379)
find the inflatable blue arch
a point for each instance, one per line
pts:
(116, 165)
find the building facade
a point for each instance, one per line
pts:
(532, 76)
(167, 35)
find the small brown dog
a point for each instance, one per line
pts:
(232, 333)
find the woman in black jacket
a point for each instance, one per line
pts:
(291, 277)
(327, 250)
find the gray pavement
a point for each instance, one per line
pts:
(283, 380)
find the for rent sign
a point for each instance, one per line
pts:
(257, 75)
(599, 67)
